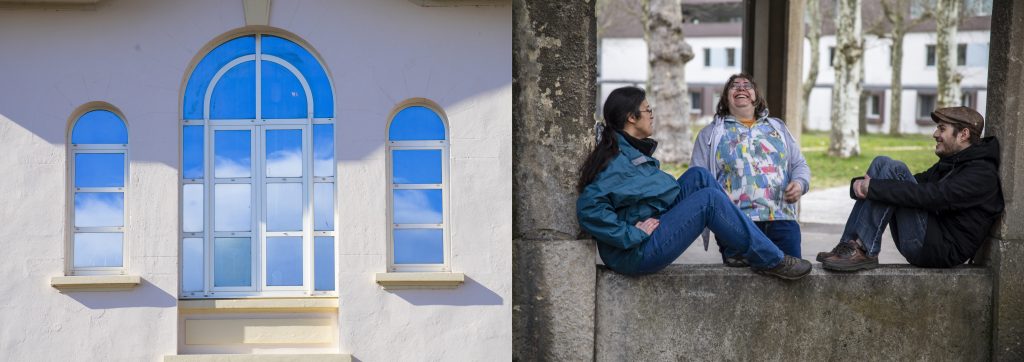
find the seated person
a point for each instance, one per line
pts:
(938, 218)
(643, 218)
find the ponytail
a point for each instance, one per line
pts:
(620, 105)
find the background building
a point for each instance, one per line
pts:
(714, 28)
(256, 177)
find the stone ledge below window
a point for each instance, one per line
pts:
(259, 358)
(437, 280)
(95, 283)
(282, 305)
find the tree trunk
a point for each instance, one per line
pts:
(946, 15)
(896, 96)
(814, 37)
(666, 83)
(847, 88)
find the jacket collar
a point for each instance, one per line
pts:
(631, 153)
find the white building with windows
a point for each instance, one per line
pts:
(326, 180)
(713, 30)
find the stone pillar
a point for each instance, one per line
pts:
(773, 34)
(554, 88)
(1005, 119)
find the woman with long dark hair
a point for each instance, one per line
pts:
(643, 218)
(758, 163)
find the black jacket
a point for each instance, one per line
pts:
(963, 198)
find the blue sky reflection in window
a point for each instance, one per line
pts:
(417, 135)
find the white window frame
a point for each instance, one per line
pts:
(258, 181)
(74, 150)
(444, 146)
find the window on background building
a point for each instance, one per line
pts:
(99, 169)
(417, 182)
(967, 99)
(977, 7)
(874, 106)
(977, 55)
(257, 172)
(831, 56)
(695, 103)
(720, 57)
(961, 54)
(925, 106)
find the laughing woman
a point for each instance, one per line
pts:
(643, 218)
(757, 162)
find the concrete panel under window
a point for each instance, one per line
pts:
(259, 331)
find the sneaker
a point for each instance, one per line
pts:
(850, 258)
(790, 268)
(736, 262)
(836, 250)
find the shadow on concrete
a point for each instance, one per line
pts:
(145, 295)
(469, 293)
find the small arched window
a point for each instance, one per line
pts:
(98, 173)
(417, 158)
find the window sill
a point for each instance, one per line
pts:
(250, 305)
(95, 283)
(437, 280)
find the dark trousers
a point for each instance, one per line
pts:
(785, 234)
(869, 219)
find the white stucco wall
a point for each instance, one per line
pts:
(134, 55)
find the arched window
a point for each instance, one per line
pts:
(257, 170)
(417, 182)
(99, 169)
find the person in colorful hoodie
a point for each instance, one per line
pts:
(757, 162)
(642, 217)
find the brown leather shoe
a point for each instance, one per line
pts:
(849, 257)
(825, 254)
(790, 268)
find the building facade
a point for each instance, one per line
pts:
(327, 180)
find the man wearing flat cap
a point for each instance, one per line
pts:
(938, 218)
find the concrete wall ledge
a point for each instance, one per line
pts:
(95, 283)
(272, 305)
(259, 357)
(894, 312)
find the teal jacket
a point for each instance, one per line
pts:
(630, 189)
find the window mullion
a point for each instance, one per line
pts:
(208, 184)
(308, 270)
(259, 189)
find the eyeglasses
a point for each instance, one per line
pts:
(744, 86)
(648, 110)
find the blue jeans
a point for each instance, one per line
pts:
(784, 233)
(702, 203)
(869, 218)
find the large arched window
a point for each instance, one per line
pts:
(99, 169)
(418, 177)
(257, 168)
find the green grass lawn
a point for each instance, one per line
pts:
(826, 172)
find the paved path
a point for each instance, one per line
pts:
(822, 218)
